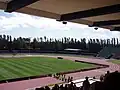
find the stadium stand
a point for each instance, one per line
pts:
(117, 55)
(109, 81)
(108, 52)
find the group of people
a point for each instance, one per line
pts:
(110, 81)
(63, 77)
(71, 86)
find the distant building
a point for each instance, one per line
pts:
(72, 51)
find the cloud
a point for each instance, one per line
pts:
(24, 20)
(39, 26)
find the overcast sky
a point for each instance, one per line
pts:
(17, 25)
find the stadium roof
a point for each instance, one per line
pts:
(99, 13)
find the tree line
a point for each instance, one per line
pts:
(50, 44)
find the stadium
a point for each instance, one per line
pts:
(66, 64)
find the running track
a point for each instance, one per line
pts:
(22, 85)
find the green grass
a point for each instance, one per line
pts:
(31, 66)
(115, 61)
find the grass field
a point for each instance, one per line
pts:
(31, 66)
(115, 61)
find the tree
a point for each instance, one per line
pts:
(41, 39)
(117, 41)
(50, 40)
(97, 40)
(4, 37)
(35, 43)
(112, 42)
(72, 40)
(50, 44)
(65, 39)
(45, 38)
(10, 39)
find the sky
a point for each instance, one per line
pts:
(23, 25)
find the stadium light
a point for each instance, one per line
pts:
(96, 28)
(64, 22)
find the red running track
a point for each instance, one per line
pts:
(97, 72)
(23, 85)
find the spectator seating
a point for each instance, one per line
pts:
(108, 52)
(110, 81)
(117, 55)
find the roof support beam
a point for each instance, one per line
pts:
(17, 4)
(91, 12)
(116, 29)
(36, 12)
(106, 23)
(2, 5)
